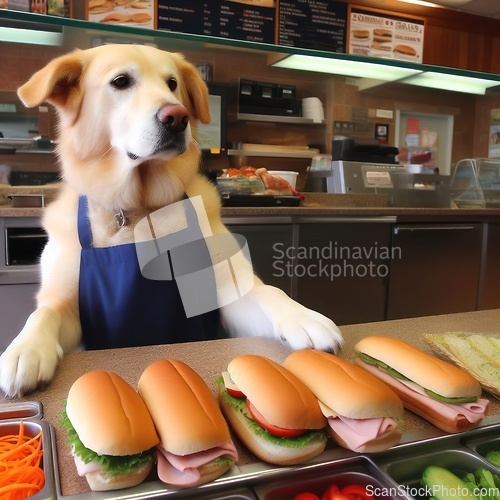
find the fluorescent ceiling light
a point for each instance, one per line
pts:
(31, 36)
(443, 81)
(345, 67)
(439, 3)
(423, 3)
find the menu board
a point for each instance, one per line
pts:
(380, 35)
(250, 20)
(313, 24)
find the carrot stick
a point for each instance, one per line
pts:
(20, 473)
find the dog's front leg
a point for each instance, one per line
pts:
(267, 311)
(32, 357)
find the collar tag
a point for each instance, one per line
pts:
(120, 219)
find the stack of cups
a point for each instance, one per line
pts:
(312, 108)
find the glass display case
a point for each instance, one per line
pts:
(476, 183)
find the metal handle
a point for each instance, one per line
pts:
(354, 219)
(397, 230)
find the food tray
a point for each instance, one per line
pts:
(483, 443)
(407, 471)
(357, 470)
(17, 411)
(32, 428)
(259, 200)
(396, 470)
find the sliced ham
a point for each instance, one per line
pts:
(473, 412)
(183, 470)
(83, 468)
(357, 432)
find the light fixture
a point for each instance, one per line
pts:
(439, 3)
(346, 67)
(29, 32)
(457, 83)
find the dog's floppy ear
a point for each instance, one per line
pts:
(197, 92)
(56, 83)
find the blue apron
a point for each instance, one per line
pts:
(119, 307)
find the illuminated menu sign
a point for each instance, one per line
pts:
(313, 24)
(250, 20)
(380, 35)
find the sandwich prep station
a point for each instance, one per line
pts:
(395, 473)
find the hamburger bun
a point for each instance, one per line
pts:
(110, 418)
(382, 35)
(102, 481)
(439, 392)
(272, 388)
(348, 392)
(361, 34)
(342, 386)
(169, 384)
(405, 50)
(284, 405)
(187, 418)
(261, 447)
(423, 368)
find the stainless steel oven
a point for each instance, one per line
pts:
(22, 240)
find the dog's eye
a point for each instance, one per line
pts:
(121, 82)
(172, 84)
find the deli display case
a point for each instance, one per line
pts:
(475, 183)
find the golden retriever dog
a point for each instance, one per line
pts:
(127, 144)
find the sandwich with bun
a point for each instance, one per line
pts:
(110, 431)
(195, 443)
(362, 411)
(441, 393)
(405, 50)
(272, 412)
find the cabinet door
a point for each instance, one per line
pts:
(435, 269)
(267, 242)
(341, 269)
(489, 291)
(17, 302)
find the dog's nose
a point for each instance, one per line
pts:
(174, 117)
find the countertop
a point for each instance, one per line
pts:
(314, 204)
(210, 358)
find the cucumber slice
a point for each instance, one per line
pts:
(372, 361)
(444, 485)
(453, 401)
(383, 366)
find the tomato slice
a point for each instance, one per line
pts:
(306, 496)
(235, 393)
(272, 429)
(330, 493)
(356, 492)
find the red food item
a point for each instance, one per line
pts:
(233, 172)
(356, 492)
(272, 429)
(332, 490)
(306, 496)
(235, 393)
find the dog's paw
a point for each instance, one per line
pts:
(307, 329)
(25, 365)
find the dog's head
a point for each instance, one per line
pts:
(130, 102)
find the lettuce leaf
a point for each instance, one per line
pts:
(240, 405)
(111, 464)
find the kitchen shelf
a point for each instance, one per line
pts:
(250, 117)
